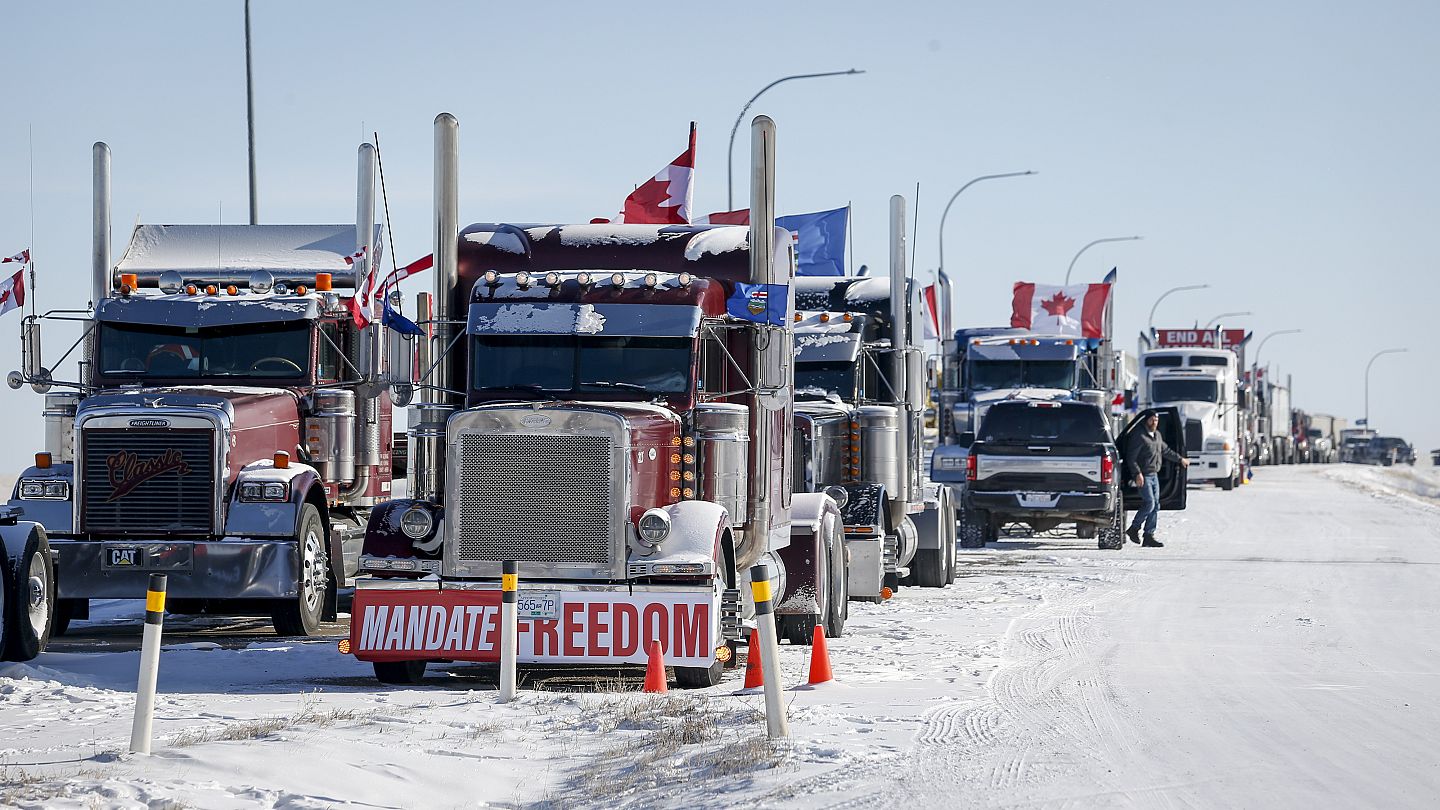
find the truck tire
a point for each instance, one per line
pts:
(929, 568)
(400, 673)
(699, 677)
(1112, 535)
(1226, 484)
(27, 599)
(67, 610)
(800, 629)
(301, 615)
(839, 586)
(973, 527)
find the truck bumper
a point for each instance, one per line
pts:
(198, 569)
(586, 625)
(1018, 504)
(1210, 466)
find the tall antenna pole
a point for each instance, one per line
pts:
(250, 119)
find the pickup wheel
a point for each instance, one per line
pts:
(301, 615)
(973, 528)
(698, 677)
(400, 673)
(1226, 484)
(1112, 535)
(27, 599)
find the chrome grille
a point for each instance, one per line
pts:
(534, 498)
(175, 471)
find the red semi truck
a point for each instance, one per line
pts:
(230, 426)
(624, 436)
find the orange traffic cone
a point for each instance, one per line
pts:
(754, 675)
(655, 669)
(819, 658)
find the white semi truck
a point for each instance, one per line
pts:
(1203, 384)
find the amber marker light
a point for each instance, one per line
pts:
(233, 290)
(301, 290)
(42, 461)
(324, 282)
(211, 289)
(282, 460)
(190, 289)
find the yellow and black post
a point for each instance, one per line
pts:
(769, 651)
(509, 628)
(149, 665)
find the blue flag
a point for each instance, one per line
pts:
(398, 322)
(820, 241)
(761, 303)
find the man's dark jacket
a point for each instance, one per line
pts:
(1145, 453)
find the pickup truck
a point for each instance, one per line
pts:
(1047, 464)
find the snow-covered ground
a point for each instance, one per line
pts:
(1282, 650)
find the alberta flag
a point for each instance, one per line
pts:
(761, 303)
(819, 241)
(1048, 309)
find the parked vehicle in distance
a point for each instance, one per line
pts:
(1353, 442)
(1047, 464)
(1388, 451)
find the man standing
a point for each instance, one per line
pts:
(1143, 459)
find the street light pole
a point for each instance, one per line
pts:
(1151, 321)
(1367, 379)
(730, 154)
(1093, 244)
(940, 274)
(1211, 323)
(250, 119)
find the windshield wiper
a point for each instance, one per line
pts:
(529, 389)
(609, 384)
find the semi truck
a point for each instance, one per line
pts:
(229, 425)
(859, 379)
(1203, 384)
(611, 408)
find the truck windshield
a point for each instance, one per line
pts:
(581, 363)
(1201, 390)
(990, 375)
(821, 379)
(269, 351)
(1069, 423)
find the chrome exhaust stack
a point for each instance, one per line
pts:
(899, 342)
(772, 354)
(367, 425)
(100, 232)
(427, 433)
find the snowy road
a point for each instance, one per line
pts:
(1282, 651)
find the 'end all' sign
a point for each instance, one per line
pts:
(1204, 338)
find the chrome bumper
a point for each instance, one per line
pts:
(195, 569)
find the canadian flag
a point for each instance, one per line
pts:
(1049, 309)
(362, 306)
(740, 217)
(12, 290)
(665, 198)
(399, 274)
(928, 312)
(22, 257)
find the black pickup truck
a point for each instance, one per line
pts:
(1047, 464)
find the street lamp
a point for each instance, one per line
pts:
(730, 155)
(1261, 347)
(1151, 322)
(940, 274)
(1367, 379)
(1093, 244)
(1211, 323)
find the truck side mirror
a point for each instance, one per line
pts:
(1242, 400)
(400, 366)
(30, 358)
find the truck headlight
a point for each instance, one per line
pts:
(417, 522)
(45, 490)
(261, 491)
(653, 527)
(839, 494)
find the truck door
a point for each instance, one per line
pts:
(1172, 476)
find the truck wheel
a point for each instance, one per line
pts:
(66, 610)
(300, 616)
(929, 567)
(1112, 535)
(973, 528)
(698, 677)
(403, 673)
(1226, 484)
(839, 585)
(28, 600)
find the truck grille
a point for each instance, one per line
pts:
(136, 481)
(534, 498)
(1194, 436)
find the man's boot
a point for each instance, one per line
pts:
(1151, 542)
(1133, 533)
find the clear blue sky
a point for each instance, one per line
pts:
(1283, 152)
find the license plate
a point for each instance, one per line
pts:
(1037, 499)
(538, 605)
(124, 557)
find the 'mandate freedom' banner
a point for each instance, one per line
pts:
(588, 627)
